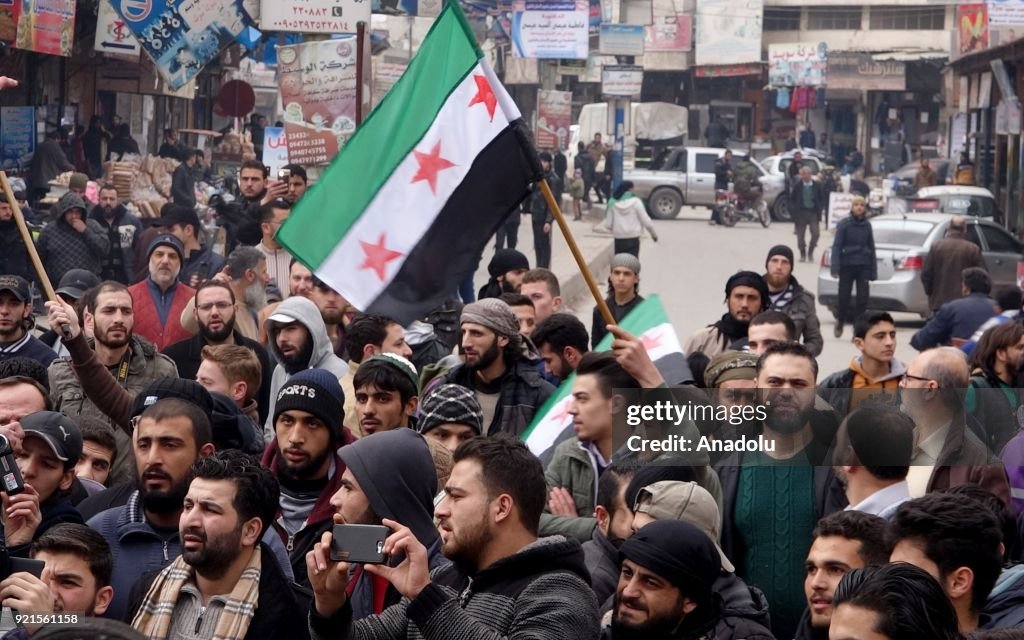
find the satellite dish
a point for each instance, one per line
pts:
(236, 98)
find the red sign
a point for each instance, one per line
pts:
(554, 117)
(972, 27)
(45, 26)
(729, 71)
(669, 33)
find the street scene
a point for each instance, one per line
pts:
(532, 319)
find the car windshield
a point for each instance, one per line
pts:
(806, 162)
(905, 232)
(967, 205)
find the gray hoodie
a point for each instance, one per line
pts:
(299, 309)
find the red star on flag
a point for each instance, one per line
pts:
(563, 412)
(378, 256)
(430, 165)
(484, 95)
(651, 341)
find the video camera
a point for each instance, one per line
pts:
(12, 482)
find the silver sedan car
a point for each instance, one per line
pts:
(902, 242)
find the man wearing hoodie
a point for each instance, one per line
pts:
(303, 456)
(390, 475)
(298, 341)
(72, 241)
(123, 231)
(746, 295)
(627, 219)
(789, 297)
(873, 375)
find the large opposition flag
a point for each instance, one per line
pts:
(648, 322)
(402, 214)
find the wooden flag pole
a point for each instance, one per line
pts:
(30, 246)
(556, 210)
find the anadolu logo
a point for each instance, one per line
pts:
(136, 10)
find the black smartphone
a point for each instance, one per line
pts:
(17, 565)
(362, 543)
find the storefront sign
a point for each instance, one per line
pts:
(838, 207)
(669, 34)
(847, 70)
(728, 31)
(275, 149)
(315, 16)
(622, 40)
(318, 92)
(1005, 12)
(623, 81)
(45, 26)
(972, 27)
(729, 71)
(112, 33)
(547, 29)
(801, 64)
(8, 24)
(17, 135)
(554, 117)
(385, 75)
(183, 37)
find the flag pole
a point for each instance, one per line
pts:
(556, 211)
(30, 246)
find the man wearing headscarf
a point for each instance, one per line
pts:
(498, 368)
(506, 269)
(746, 295)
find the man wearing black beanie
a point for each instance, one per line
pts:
(789, 297)
(746, 295)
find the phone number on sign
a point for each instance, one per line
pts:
(47, 618)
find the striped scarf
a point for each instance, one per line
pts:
(154, 617)
(782, 298)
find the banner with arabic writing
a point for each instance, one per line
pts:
(45, 26)
(318, 92)
(798, 64)
(551, 29)
(850, 70)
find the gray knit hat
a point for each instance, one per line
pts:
(627, 260)
(450, 404)
(497, 316)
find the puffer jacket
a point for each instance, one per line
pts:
(523, 393)
(61, 248)
(854, 246)
(128, 228)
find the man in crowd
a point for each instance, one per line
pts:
(298, 182)
(123, 231)
(506, 384)
(13, 253)
(789, 297)
(225, 583)
(488, 524)
(875, 447)
(623, 294)
(72, 240)
(523, 308)
(183, 181)
(300, 283)
(70, 289)
(390, 475)
(131, 361)
(942, 275)
(272, 216)
(16, 341)
(99, 450)
(841, 542)
(946, 452)
(235, 372)
(807, 201)
(368, 335)
(386, 393)
(245, 271)
(215, 313)
(925, 176)
(298, 341)
(199, 262)
(766, 329)
(160, 298)
(48, 162)
(451, 415)
(991, 398)
(746, 295)
(614, 524)
(561, 340)
(507, 269)
(956, 321)
(957, 543)
(541, 215)
(171, 147)
(541, 286)
(1008, 302)
(875, 374)
(252, 185)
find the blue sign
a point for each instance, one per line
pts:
(17, 135)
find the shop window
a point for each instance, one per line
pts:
(846, 18)
(909, 18)
(782, 18)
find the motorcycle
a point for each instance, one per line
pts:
(733, 207)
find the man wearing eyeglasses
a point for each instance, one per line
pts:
(214, 313)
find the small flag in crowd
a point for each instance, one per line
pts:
(402, 214)
(650, 324)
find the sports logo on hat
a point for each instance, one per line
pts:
(298, 390)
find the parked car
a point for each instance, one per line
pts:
(965, 201)
(686, 176)
(901, 244)
(905, 175)
(776, 168)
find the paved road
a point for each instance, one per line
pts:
(692, 261)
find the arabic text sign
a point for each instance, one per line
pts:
(624, 81)
(183, 37)
(17, 134)
(669, 34)
(275, 149)
(45, 26)
(849, 70)
(314, 16)
(554, 117)
(1006, 12)
(839, 205)
(622, 39)
(801, 64)
(318, 91)
(728, 31)
(8, 23)
(112, 34)
(549, 29)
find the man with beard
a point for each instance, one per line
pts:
(390, 475)
(300, 283)
(160, 298)
(789, 297)
(507, 384)
(123, 230)
(387, 394)
(773, 497)
(503, 581)
(215, 314)
(245, 271)
(614, 520)
(15, 312)
(199, 262)
(298, 341)
(562, 341)
(113, 359)
(170, 436)
(746, 295)
(507, 269)
(71, 241)
(226, 583)
(303, 456)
